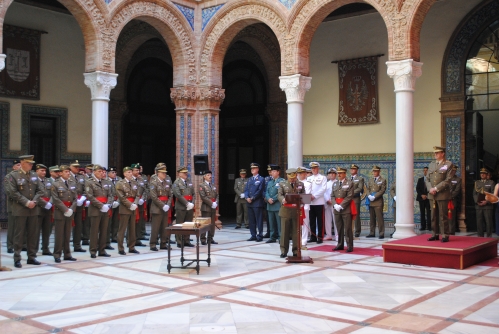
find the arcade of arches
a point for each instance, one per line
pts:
(252, 80)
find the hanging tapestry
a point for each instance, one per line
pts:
(358, 81)
(21, 76)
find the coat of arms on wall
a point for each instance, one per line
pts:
(21, 76)
(358, 98)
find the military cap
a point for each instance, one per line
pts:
(353, 166)
(16, 161)
(291, 172)
(28, 158)
(182, 169)
(160, 164)
(207, 172)
(314, 164)
(64, 167)
(75, 164)
(376, 167)
(111, 169)
(40, 166)
(126, 168)
(274, 167)
(308, 170)
(161, 169)
(331, 170)
(54, 169)
(254, 165)
(300, 170)
(97, 167)
(341, 170)
(135, 166)
(89, 166)
(242, 171)
(269, 167)
(484, 171)
(438, 149)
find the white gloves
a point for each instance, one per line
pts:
(371, 197)
(141, 201)
(80, 202)
(190, 206)
(115, 204)
(133, 207)
(242, 196)
(87, 204)
(48, 206)
(105, 208)
(166, 208)
(214, 205)
(338, 207)
(395, 198)
(68, 213)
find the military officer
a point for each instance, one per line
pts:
(183, 191)
(358, 189)
(241, 207)
(10, 219)
(301, 174)
(85, 230)
(455, 194)
(80, 212)
(328, 207)
(161, 200)
(341, 196)
(139, 231)
(393, 193)
(55, 173)
(376, 187)
(438, 183)
(254, 197)
(23, 187)
(168, 180)
(273, 204)
(44, 210)
(209, 198)
(129, 193)
(64, 196)
(288, 212)
(318, 182)
(265, 213)
(99, 193)
(112, 228)
(89, 169)
(484, 209)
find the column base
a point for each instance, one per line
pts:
(404, 231)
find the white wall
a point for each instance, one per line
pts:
(61, 74)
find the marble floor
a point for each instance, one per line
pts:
(247, 288)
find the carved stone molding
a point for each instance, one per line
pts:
(100, 84)
(404, 74)
(190, 97)
(295, 86)
(183, 97)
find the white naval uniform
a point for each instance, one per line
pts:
(305, 230)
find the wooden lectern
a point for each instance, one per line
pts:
(298, 199)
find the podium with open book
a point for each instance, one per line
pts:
(298, 200)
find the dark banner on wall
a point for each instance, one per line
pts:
(358, 80)
(21, 76)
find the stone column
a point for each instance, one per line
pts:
(2, 61)
(295, 86)
(404, 74)
(100, 84)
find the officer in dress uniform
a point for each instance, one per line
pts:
(438, 185)
(301, 173)
(341, 196)
(79, 220)
(167, 180)
(358, 189)
(99, 194)
(455, 194)
(241, 207)
(376, 187)
(328, 207)
(139, 229)
(288, 212)
(85, 230)
(160, 192)
(129, 193)
(64, 196)
(44, 210)
(484, 209)
(10, 219)
(183, 190)
(318, 182)
(254, 197)
(23, 187)
(209, 198)
(273, 204)
(265, 212)
(112, 227)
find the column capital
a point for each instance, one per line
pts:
(2, 61)
(211, 98)
(404, 74)
(295, 86)
(190, 97)
(100, 84)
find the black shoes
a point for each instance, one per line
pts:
(381, 237)
(422, 229)
(238, 227)
(93, 256)
(319, 241)
(154, 249)
(104, 254)
(370, 236)
(58, 260)
(81, 250)
(109, 247)
(266, 235)
(10, 250)
(283, 256)
(18, 264)
(69, 259)
(213, 242)
(139, 244)
(270, 241)
(349, 249)
(85, 243)
(188, 244)
(251, 239)
(357, 235)
(338, 248)
(445, 239)
(34, 262)
(259, 239)
(134, 251)
(311, 240)
(203, 243)
(433, 238)
(47, 253)
(122, 253)
(165, 247)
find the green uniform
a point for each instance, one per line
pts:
(10, 221)
(241, 207)
(439, 175)
(160, 193)
(342, 194)
(126, 190)
(44, 215)
(376, 187)
(114, 221)
(289, 221)
(455, 193)
(183, 188)
(79, 180)
(64, 197)
(98, 189)
(358, 189)
(141, 227)
(208, 194)
(273, 209)
(485, 213)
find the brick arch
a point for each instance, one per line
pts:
(172, 26)
(307, 15)
(416, 11)
(225, 25)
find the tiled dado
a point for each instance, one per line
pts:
(365, 162)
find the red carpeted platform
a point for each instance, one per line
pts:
(458, 253)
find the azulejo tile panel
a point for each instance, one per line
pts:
(207, 14)
(365, 162)
(453, 139)
(213, 122)
(188, 12)
(182, 140)
(288, 3)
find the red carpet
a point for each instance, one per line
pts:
(459, 253)
(356, 251)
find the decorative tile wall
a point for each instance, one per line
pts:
(207, 14)
(213, 145)
(365, 163)
(189, 142)
(188, 13)
(453, 140)
(182, 140)
(205, 131)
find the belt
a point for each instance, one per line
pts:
(131, 199)
(79, 196)
(115, 198)
(46, 199)
(163, 198)
(213, 199)
(103, 200)
(188, 197)
(67, 203)
(289, 205)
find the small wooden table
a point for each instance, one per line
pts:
(188, 232)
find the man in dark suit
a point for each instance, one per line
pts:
(254, 197)
(424, 202)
